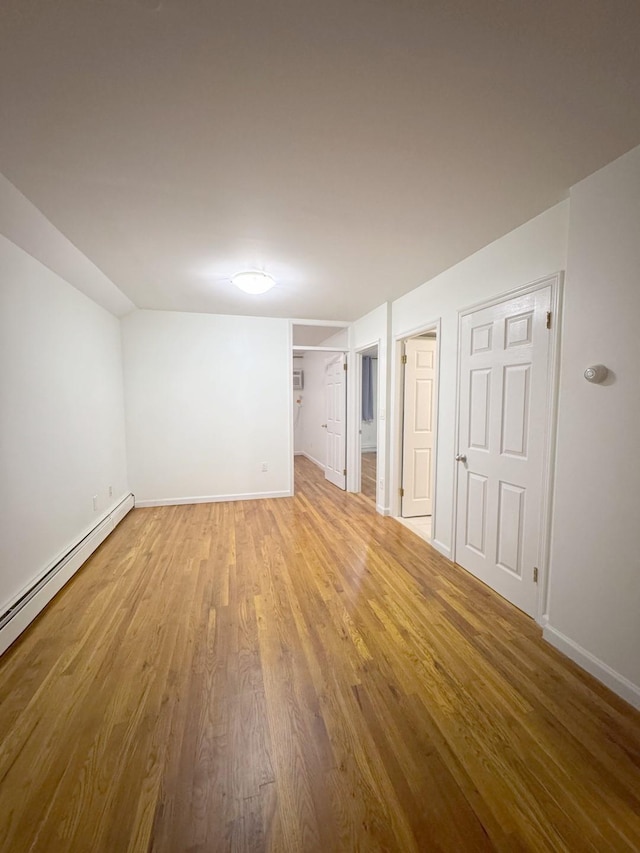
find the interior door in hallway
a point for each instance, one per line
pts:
(502, 432)
(335, 395)
(419, 427)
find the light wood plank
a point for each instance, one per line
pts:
(301, 675)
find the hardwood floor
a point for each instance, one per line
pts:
(368, 475)
(301, 675)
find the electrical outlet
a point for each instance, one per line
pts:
(110, 491)
(265, 467)
(95, 503)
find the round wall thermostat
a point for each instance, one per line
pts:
(597, 373)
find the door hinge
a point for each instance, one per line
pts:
(548, 319)
(344, 472)
(401, 492)
(535, 574)
(404, 359)
(345, 365)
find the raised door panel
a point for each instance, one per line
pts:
(481, 339)
(516, 385)
(511, 505)
(479, 408)
(476, 512)
(518, 330)
(422, 474)
(423, 414)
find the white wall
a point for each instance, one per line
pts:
(208, 401)
(337, 339)
(594, 602)
(25, 226)
(532, 251)
(61, 418)
(313, 415)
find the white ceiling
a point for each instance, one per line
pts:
(353, 149)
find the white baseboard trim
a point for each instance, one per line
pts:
(312, 459)
(600, 670)
(210, 499)
(383, 510)
(298, 453)
(69, 563)
(443, 549)
(369, 448)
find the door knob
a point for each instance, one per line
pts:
(461, 457)
(324, 426)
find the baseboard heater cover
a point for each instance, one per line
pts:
(23, 611)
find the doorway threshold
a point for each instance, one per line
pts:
(421, 526)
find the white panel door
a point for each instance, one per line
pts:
(419, 427)
(503, 406)
(336, 397)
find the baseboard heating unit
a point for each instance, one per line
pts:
(25, 609)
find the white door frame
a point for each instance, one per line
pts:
(397, 397)
(556, 282)
(354, 460)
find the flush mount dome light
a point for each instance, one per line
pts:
(253, 282)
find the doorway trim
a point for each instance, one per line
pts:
(556, 282)
(398, 420)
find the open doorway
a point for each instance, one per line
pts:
(319, 360)
(368, 413)
(419, 432)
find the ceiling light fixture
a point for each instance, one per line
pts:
(253, 282)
